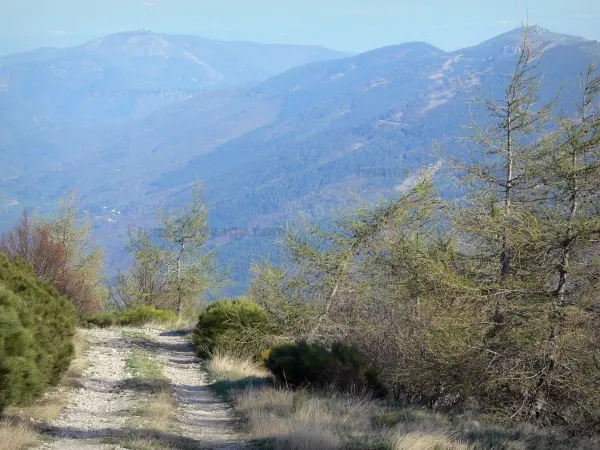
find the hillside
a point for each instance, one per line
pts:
(131, 74)
(300, 142)
(47, 93)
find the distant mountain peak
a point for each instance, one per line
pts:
(414, 49)
(508, 43)
(536, 32)
(133, 44)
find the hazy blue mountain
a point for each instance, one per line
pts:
(48, 93)
(130, 74)
(301, 142)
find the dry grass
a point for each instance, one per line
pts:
(144, 443)
(420, 441)
(228, 367)
(50, 406)
(16, 436)
(156, 412)
(182, 323)
(47, 408)
(304, 421)
(72, 378)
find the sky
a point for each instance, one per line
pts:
(348, 25)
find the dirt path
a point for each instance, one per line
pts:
(97, 417)
(202, 416)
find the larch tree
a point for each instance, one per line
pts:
(84, 259)
(495, 167)
(494, 223)
(567, 171)
(144, 281)
(190, 268)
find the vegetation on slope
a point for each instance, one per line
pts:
(227, 325)
(487, 305)
(61, 252)
(280, 418)
(36, 328)
(131, 317)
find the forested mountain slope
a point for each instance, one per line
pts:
(300, 142)
(53, 99)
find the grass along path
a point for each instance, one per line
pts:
(284, 419)
(201, 417)
(156, 408)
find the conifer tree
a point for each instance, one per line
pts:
(144, 282)
(84, 259)
(567, 204)
(190, 267)
(495, 166)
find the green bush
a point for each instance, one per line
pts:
(36, 328)
(131, 317)
(101, 320)
(144, 315)
(235, 326)
(342, 366)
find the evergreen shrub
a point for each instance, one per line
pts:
(37, 325)
(341, 366)
(239, 326)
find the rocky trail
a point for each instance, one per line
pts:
(100, 412)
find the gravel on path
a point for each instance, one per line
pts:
(98, 413)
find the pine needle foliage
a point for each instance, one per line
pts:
(36, 328)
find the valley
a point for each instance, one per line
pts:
(220, 244)
(300, 142)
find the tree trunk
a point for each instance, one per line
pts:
(559, 295)
(179, 281)
(327, 309)
(564, 263)
(505, 258)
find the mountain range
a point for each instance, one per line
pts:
(273, 132)
(49, 92)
